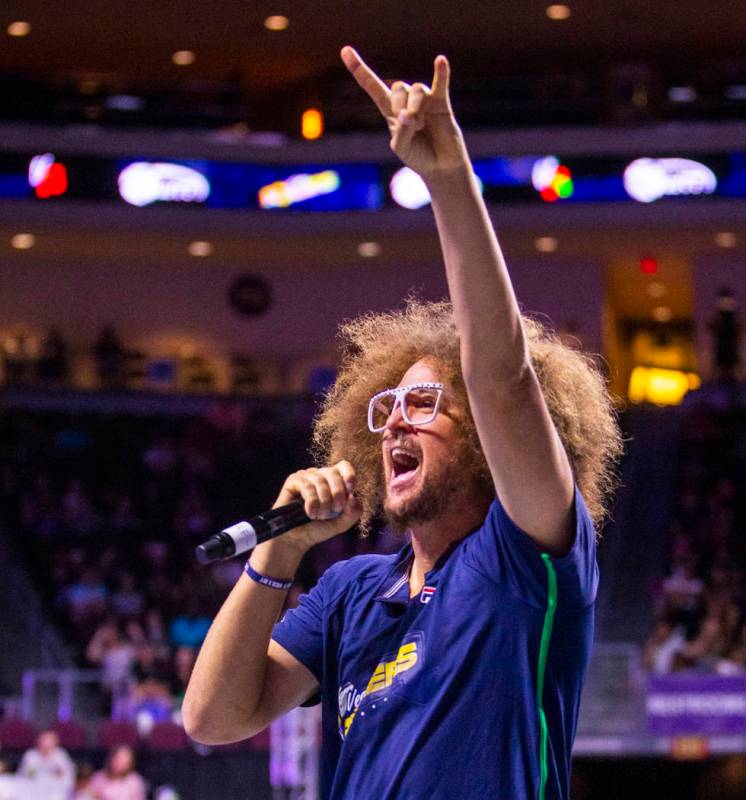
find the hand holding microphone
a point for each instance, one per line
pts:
(313, 505)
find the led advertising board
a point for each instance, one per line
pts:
(548, 178)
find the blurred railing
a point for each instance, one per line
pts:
(614, 693)
(66, 686)
(614, 720)
(187, 367)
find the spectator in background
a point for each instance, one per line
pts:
(149, 703)
(661, 649)
(48, 767)
(78, 512)
(155, 631)
(86, 598)
(82, 782)
(127, 601)
(726, 330)
(147, 664)
(734, 660)
(134, 632)
(21, 349)
(52, 366)
(189, 629)
(115, 655)
(684, 592)
(110, 359)
(149, 699)
(183, 664)
(118, 780)
(160, 457)
(122, 517)
(192, 513)
(705, 649)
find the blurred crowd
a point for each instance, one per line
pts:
(108, 507)
(700, 606)
(47, 771)
(108, 510)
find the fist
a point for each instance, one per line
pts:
(328, 499)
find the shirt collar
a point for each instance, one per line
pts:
(395, 586)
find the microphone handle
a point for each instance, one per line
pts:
(279, 520)
(244, 536)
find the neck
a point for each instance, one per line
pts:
(431, 539)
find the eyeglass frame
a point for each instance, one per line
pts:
(399, 392)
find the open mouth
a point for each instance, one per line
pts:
(404, 465)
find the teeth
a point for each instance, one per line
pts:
(397, 452)
(400, 455)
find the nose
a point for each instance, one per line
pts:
(396, 418)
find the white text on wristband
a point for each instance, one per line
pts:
(265, 580)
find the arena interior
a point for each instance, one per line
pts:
(193, 197)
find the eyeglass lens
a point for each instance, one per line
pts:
(418, 407)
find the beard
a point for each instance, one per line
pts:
(431, 499)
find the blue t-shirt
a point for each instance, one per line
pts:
(468, 690)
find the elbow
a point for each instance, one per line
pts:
(211, 729)
(194, 722)
(201, 726)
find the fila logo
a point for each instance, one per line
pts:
(427, 593)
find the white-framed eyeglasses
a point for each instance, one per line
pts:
(419, 404)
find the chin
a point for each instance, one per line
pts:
(419, 505)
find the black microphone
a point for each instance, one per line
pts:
(247, 535)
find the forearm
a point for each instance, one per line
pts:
(228, 677)
(485, 307)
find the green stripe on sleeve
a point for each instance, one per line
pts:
(546, 634)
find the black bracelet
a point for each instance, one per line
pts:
(265, 580)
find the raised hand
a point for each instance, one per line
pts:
(424, 132)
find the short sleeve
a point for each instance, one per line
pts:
(501, 551)
(301, 630)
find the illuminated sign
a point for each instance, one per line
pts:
(143, 182)
(556, 180)
(298, 188)
(649, 179)
(408, 189)
(47, 176)
(665, 387)
(551, 179)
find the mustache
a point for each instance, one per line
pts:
(406, 445)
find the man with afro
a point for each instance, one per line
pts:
(453, 668)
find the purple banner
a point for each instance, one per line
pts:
(696, 704)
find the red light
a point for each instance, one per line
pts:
(648, 266)
(549, 194)
(54, 183)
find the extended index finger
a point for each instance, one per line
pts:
(376, 89)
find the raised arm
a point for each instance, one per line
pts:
(527, 460)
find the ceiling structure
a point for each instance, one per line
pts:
(266, 76)
(136, 38)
